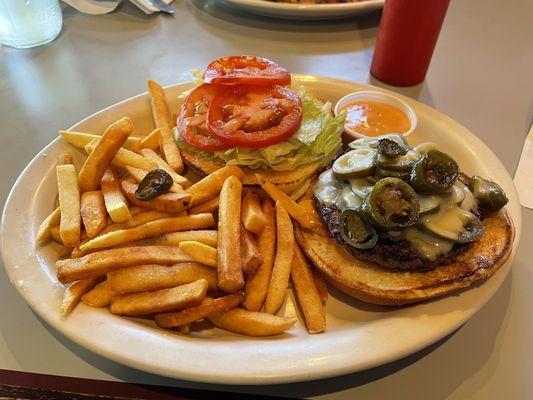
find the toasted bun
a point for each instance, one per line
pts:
(287, 181)
(374, 284)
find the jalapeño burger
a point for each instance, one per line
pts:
(403, 224)
(245, 112)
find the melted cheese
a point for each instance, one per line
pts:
(448, 222)
(435, 233)
(426, 244)
(327, 188)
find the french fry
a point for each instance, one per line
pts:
(175, 116)
(208, 237)
(152, 228)
(257, 285)
(210, 206)
(200, 252)
(93, 212)
(300, 190)
(106, 148)
(161, 118)
(184, 329)
(125, 157)
(252, 215)
(142, 278)
(308, 296)
(102, 262)
(167, 203)
(139, 174)
(64, 158)
(151, 141)
(320, 285)
(134, 210)
(229, 264)
(177, 178)
(43, 233)
(251, 323)
(115, 203)
(308, 205)
(281, 271)
(80, 140)
(207, 307)
(73, 294)
(69, 204)
(294, 209)
(210, 186)
(55, 234)
(60, 250)
(99, 296)
(250, 255)
(136, 220)
(164, 300)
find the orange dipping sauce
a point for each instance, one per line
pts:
(374, 118)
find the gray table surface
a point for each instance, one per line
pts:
(480, 76)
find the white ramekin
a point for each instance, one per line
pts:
(376, 96)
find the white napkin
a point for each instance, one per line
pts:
(523, 177)
(94, 7)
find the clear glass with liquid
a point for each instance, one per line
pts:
(29, 23)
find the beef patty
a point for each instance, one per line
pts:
(387, 253)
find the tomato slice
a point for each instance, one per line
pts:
(191, 122)
(254, 116)
(246, 70)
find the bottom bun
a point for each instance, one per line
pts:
(288, 181)
(377, 285)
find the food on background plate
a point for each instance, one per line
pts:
(245, 113)
(315, 1)
(404, 224)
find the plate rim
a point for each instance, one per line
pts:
(310, 7)
(291, 376)
(306, 11)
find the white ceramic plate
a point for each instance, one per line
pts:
(358, 336)
(307, 11)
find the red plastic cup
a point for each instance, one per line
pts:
(407, 35)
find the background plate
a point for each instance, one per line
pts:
(307, 11)
(359, 336)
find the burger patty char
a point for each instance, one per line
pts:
(392, 254)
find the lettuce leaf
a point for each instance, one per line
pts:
(317, 139)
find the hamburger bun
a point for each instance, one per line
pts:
(287, 181)
(374, 284)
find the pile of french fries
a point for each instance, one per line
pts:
(211, 250)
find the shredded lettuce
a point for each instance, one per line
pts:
(317, 139)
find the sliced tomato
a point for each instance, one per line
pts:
(254, 116)
(191, 122)
(246, 70)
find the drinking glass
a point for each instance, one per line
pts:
(29, 23)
